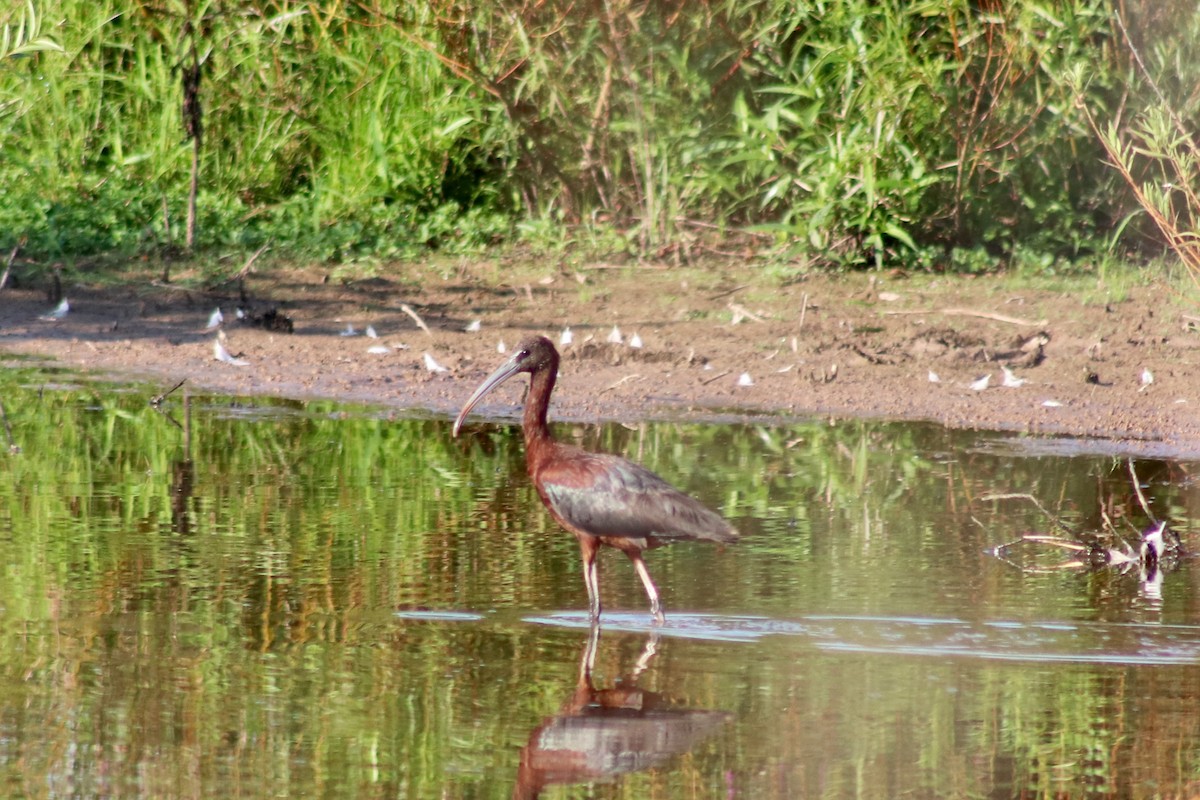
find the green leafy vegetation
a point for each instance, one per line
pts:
(941, 135)
(1151, 145)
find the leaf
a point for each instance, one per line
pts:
(457, 124)
(899, 234)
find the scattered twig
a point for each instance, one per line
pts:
(644, 266)
(157, 400)
(825, 376)
(1056, 541)
(420, 322)
(740, 312)
(156, 404)
(1108, 523)
(245, 270)
(728, 292)
(1000, 551)
(1017, 496)
(967, 312)
(719, 375)
(626, 379)
(1137, 489)
(803, 311)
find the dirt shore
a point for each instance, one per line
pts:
(726, 343)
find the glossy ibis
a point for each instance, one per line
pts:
(602, 499)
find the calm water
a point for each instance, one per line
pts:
(276, 598)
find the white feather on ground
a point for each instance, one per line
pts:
(58, 312)
(224, 356)
(1011, 380)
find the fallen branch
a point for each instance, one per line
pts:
(1137, 488)
(157, 400)
(740, 312)
(420, 322)
(728, 292)
(627, 378)
(245, 270)
(647, 266)
(967, 312)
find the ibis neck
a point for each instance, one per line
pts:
(541, 384)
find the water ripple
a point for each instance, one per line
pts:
(1005, 640)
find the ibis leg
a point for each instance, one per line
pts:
(589, 657)
(589, 547)
(651, 590)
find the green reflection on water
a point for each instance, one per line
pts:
(213, 612)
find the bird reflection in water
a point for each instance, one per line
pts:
(600, 734)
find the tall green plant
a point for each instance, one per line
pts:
(1151, 144)
(846, 131)
(21, 33)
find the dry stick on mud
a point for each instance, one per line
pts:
(728, 292)
(967, 312)
(626, 379)
(420, 322)
(740, 312)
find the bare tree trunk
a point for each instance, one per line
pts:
(8, 265)
(193, 119)
(192, 191)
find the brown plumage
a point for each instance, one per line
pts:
(602, 499)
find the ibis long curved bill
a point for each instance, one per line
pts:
(506, 370)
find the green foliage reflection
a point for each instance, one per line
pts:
(211, 610)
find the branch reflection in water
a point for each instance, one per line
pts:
(600, 734)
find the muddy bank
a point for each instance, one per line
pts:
(715, 345)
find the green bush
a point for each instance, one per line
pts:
(846, 132)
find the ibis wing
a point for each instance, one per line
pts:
(605, 495)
